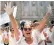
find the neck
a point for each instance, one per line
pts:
(29, 40)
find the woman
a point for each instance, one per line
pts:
(30, 36)
(6, 37)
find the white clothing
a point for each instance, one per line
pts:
(41, 37)
(5, 34)
(35, 34)
(1, 41)
(49, 34)
(12, 40)
(52, 36)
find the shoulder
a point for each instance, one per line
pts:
(35, 33)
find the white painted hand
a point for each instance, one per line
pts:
(49, 9)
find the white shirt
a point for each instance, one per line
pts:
(52, 36)
(23, 42)
(49, 34)
(46, 30)
(1, 41)
(5, 34)
(12, 40)
(41, 37)
(35, 34)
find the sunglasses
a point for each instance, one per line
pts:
(11, 29)
(27, 29)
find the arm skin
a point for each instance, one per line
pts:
(14, 26)
(41, 26)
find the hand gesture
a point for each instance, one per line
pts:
(8, 8)
(49, 9)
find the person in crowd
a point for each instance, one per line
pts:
(52, 32)
(11, 35)
(48, 34)
(1, 37)
(41, 39)
(12, 39)
(5, 37)
(29, 36)
(35, 23)
(52, 36)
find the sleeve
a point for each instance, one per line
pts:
(35, 34)
(20, 37)
(41, 37)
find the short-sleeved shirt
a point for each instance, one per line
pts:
(35, 34)
(21, 41)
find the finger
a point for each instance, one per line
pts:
(5, 5)
(13, 8)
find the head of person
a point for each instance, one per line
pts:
(26, 28)
(52, 23)
(35, 23)
(11, 29)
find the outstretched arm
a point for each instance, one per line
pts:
(44, 20)
(9, 10)
(42, 23)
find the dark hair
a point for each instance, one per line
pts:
(52, 22)
(35, 21)
(22, 25)
(5, 25)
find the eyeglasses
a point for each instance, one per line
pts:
(27, 29)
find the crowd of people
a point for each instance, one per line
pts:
(29, 32)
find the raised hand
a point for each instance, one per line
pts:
(49, 9)
(8, 8)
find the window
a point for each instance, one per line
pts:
(51, 4)
(34, 3)
(42, 3)
(26, 3)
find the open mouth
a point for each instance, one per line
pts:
(28, 33)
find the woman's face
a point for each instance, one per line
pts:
(27, 31)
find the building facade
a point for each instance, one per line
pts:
(30, 10)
